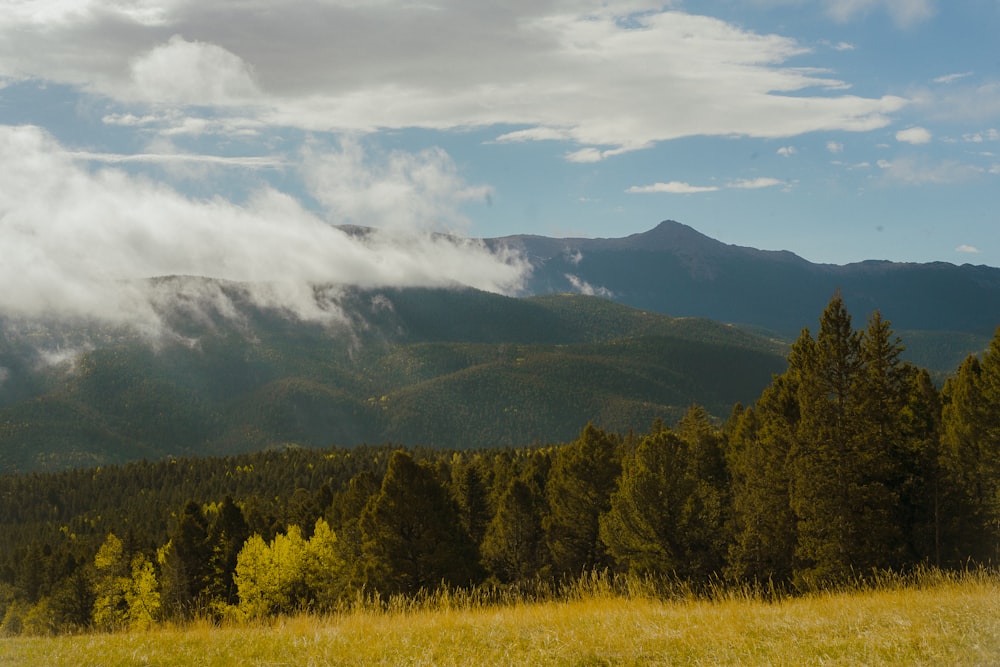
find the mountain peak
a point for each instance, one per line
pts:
(672, 235)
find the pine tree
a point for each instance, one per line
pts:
(225, 539)
(641, 529)
(764, 525)
(970, 457)
(412, 536)
(668, 513)
(512, 548)
(583, 476)
(848, 450)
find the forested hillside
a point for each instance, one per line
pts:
(849, 462)
(450, 368)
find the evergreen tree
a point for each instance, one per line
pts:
(412, 537)
(642, 529)
(669, 511)
(970, 457)
(344, 516)
(513, 546)
(470, 493)
(225, 539)
(846, 451)
(764, 526)
(578, 490)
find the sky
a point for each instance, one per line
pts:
(230, 138)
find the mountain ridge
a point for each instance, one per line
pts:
(677, 270)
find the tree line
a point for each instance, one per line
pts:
(851, 461)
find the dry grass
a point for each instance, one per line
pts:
(950, 621)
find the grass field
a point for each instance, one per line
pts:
(949, 621)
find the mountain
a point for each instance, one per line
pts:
(453, 368)
(943, 311)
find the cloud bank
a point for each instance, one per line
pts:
(82, 243)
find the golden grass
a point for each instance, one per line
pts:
(953, 621)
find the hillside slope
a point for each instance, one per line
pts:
(444, 368)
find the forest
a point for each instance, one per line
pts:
(851, 462)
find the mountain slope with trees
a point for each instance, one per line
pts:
(444, 368)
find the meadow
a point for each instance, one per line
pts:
(941, 620)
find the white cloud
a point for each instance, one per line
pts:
(905, 13)
(755, 183)
(672, 187)
(608, 78)
(252, 162)
(991, 134)
(911, 171)
(197, 73)
(399, 191)
(583, 287)
(952, 78)
(682, 188)
(787, 151)
(835, 147)
(79, 243)
(969, 249)
(914, 135)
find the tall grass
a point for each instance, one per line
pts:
(930, 618)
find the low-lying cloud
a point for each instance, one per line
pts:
(82, 242)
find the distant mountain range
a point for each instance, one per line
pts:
(943, 311)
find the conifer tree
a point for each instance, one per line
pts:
(513, 546)
(643, 528)
(412, 536)
(764, 525)
(970, 457)
(578, 490)
(225, 539)
(846, 453)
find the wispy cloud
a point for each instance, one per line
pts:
(968, 249)
(756, 183)
(682, 188)
(905, 13)
(835, 147)
(787, 151)
(914, 135)
(952, 78)
(251, 161)
(991, 134)
(913, 171)
(671, 187)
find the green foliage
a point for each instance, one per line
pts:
(669, 511)
(971, 455)
(412, 535)
(578, 491)
(513, 547)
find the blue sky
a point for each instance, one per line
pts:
(142, 137)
